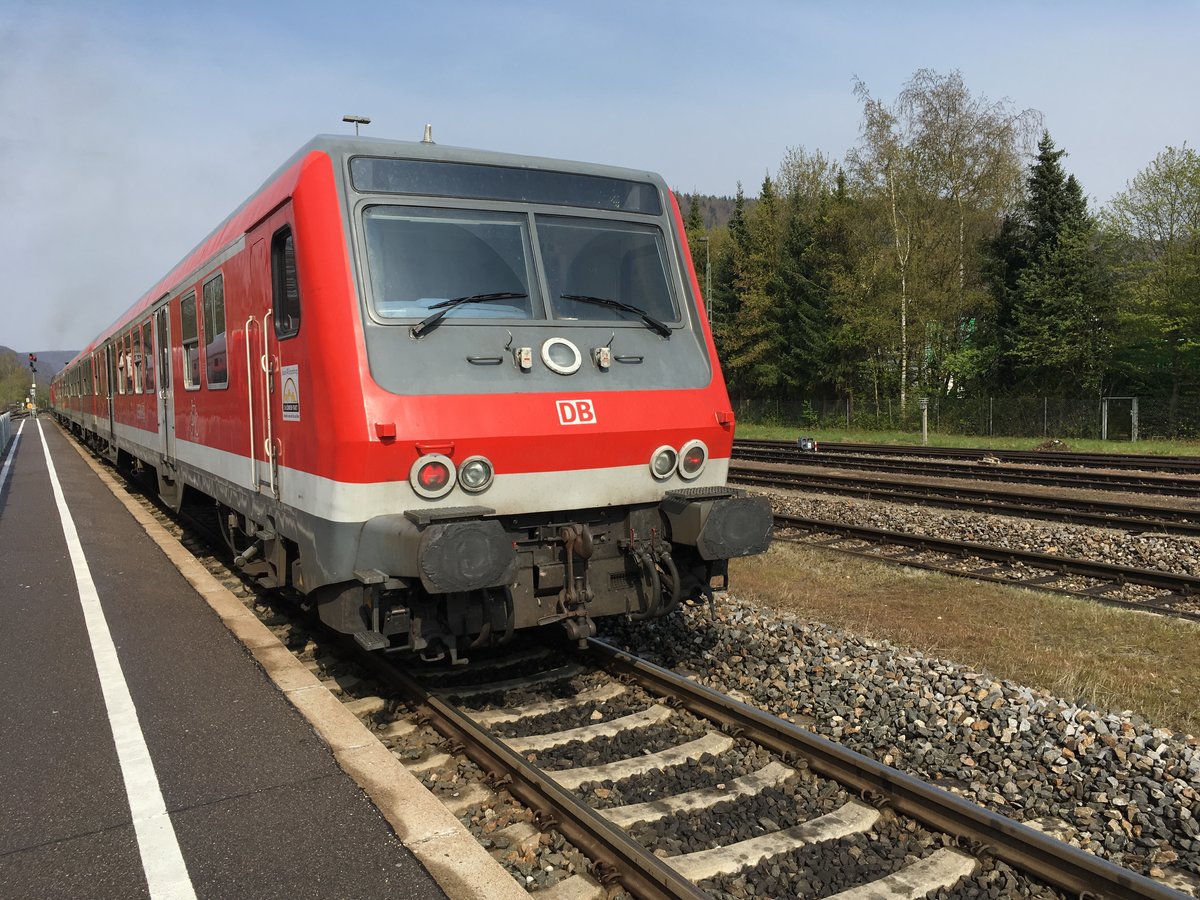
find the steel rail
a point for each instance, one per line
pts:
(620, 857)
(1167, 581)
(1090, 480)
(1141, 461)
(1074, 510)
(1180, 585)
(1053, 861)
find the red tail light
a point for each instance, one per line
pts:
(432, 476)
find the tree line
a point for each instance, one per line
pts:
(14, 379)
(951, 254)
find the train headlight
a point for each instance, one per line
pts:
(692, 457)
(662, 462)
(475, 474)
(561, 356)
(432, 476)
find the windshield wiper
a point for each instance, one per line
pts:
(652, 323)
(446, 305)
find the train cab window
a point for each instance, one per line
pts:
(215, 359)
(191, 343)
(419, 257)
(623, 261)
(285, 284)
(147, 357)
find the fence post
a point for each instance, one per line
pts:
(1134, 434)
(924, 401)
(1045, 417)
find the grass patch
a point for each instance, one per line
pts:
(1107, 657)
(789, 433)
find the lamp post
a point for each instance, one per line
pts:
(356, 121)
(707, 279)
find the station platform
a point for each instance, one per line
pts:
(203, 778)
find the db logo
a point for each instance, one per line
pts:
(576, 412)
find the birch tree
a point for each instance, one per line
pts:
(946, 165)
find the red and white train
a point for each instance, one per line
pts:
(445, 394)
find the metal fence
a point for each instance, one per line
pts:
(1115, 418)
(5, 433)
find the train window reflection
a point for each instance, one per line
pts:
(148, 351)
(191, 343)
(285, 284)
(623, 261)
(418, 257)
(216, 369)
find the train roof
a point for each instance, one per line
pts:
(340, 146)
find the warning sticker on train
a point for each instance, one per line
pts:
(291, 393)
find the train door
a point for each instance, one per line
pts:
(110, 369)
(166, 405)
(262, 368)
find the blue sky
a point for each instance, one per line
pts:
(130, 129)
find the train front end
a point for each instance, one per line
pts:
(548, 429)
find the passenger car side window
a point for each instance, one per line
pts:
(191, 343)
(215, 358)
(285, 284)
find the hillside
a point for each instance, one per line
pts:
(716, 211)
(49, 361)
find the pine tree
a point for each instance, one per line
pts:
(693, 226)
(752, 340)
(725, 304)
(1064, 306)
(1046, 273)
(1055, 200)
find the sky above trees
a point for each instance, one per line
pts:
(132, 128)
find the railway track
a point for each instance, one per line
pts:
(1174, 594)
(1151, 462)
(811, 815)
(1096, 480)
(1074, 510)
(807, 815)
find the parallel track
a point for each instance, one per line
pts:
(1149, 462)
(1141, 483)
(991, 499)
(1179, 589)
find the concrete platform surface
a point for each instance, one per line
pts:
(258, 804)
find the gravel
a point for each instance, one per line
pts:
(827, 868)
(1112, 783)
(1166, 553)
(677, 730)
(704, 771)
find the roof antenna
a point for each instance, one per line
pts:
(428, 137)
(356, 121)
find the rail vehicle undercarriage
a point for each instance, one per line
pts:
(439, 582)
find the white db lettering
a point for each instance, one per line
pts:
(576, 412)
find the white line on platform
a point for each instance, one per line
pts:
(162, 861)
(11, 454)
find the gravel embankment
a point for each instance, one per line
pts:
(1167, 553)
(1107, 782)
